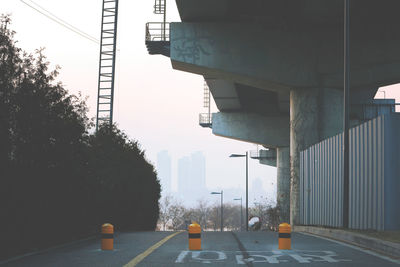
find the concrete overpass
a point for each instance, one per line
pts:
(275, 70)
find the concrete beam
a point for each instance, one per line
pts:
(269, 131)
(243, 54)
(224, 94)
(278, 59)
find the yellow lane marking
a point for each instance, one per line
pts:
(150, 250)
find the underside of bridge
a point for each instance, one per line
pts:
(275, 70)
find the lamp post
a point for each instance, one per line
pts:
(346, 112)
(247, 184)
(241, 213)
(222, 205)
(384, 93)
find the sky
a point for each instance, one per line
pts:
(154, 104)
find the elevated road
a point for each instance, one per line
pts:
(218, 249)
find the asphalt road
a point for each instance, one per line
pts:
(218, 249)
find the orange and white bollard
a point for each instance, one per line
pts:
(284, 241)
(194, 236)
(107, 236)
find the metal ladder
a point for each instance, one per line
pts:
(206, 98)
(205, 119)
(159, 7)
(108, 43)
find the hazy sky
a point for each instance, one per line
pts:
(154, 104)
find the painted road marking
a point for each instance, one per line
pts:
(143, 255)
(370, 252)
(272, 257)
(205, 256)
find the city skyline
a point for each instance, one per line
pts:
(191, 177)
(261, 188)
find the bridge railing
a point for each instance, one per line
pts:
(263, 154)
(157, 31)
(205, 119)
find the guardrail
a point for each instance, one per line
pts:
(157, 31)
(255, 154)
(263, 154)
(205, 119)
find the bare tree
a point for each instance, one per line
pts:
(176, 212)
(268, 214)
(232, 217)
(165, 205)
(174, 215)
(200, 213)
(214, 217)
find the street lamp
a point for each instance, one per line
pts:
(346, 116)
(222, 205)
(241, 213)
(247, 184)
(384, 93)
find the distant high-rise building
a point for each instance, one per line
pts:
(192, 177)
(164, 170)
(184, 165)
(199, 169)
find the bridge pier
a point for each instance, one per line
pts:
(315, 114)
(283, 183)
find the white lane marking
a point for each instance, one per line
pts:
(181, 257)
(197, 256)
(328, 257)
(240, 260)
(271, 257)
(299, 258)
(200, 256)
(356, 248)
(266, 259)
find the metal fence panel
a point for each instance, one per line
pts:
(321, 177)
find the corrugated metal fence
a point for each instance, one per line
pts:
(372, 146)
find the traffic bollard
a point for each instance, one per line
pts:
(107, 236)
(284, 241)
(194, 237)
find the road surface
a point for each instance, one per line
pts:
(218, 249)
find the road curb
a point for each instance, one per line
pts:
(44, 250)
(389, 248)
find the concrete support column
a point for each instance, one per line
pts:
(315, 114)
(303, 133)
(283, 183)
